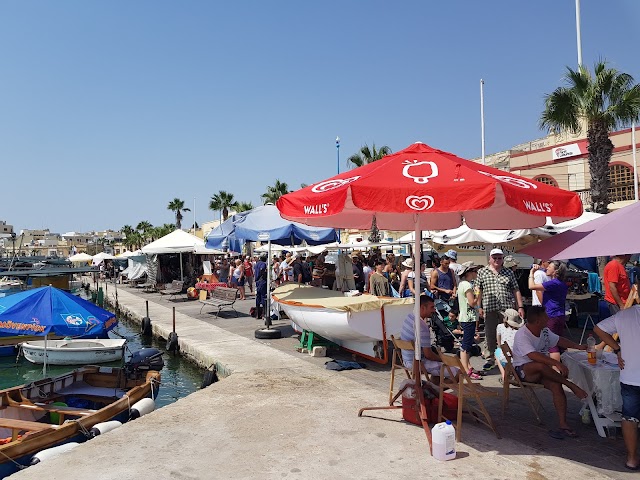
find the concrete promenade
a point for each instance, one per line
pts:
(280, 414)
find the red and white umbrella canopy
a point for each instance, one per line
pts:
(423, 188)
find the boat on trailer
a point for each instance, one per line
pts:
(74, 351)
(360, 324)
(41, 417)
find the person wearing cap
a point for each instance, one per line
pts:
(286, 269)
(554, 298)
(443, 281)
(511, 262)
(506, 332)
(498, 290)
(468, 318)
(452, 255)
(533, 364)
(407, 284)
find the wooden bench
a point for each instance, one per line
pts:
(221, 297)
(172, 289)
(23, 426)
(61, 410)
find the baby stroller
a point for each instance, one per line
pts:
(444, 337)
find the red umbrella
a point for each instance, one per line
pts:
(421, 188)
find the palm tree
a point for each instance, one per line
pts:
(133, 241)
(144, 228)
(275, 192)
(368, 155)
(244, 206)
(222, 201)
(177, 206)
(604, 101)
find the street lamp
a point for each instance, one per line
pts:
(338, 151)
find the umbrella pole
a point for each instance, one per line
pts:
(417, 374)
(267, 306)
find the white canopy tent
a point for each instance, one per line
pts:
(80, 258)
(177, 241)
(101, 257)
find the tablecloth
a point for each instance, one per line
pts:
(209, 286)
(601, 379)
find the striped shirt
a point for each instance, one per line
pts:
(408, 334)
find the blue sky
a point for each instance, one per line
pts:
(109, 110)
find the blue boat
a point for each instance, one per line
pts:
(49, 311)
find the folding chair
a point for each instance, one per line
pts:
(513, 379)
(465, 390)
(398, 364)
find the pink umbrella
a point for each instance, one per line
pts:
(612, 234)
(421, 187)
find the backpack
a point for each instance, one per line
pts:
(306, 272)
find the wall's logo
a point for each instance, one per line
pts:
(542, 207)
(424, 202)
(516, 182)
(333, 184)
(431, 171)
(319, 209)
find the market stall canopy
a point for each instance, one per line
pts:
(46, 310)
(203, 250)
(177, 241)
(80, 258)
(262, 224)
(101, 257)
(612, 234)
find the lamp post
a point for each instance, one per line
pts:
(482, 118)
(338, 152)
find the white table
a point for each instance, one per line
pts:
(602, 382)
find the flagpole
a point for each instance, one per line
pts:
(635, 164)
(482, 117)
(578, 33)
(338, 155)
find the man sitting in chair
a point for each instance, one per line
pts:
(430, 358)
(533, 364)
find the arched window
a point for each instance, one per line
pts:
(620, 183)
(547, 180)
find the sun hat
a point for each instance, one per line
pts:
(408, 263)
(452, 254)
(467, 267)
(509, 262)
(496, 251)
(512, 318)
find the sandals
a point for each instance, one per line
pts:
(561, 433)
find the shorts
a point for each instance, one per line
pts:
(630, 402)
(556, 325)
(613, 308)
(520, 371)
(500, 357)
(468, 332)
(237, 282)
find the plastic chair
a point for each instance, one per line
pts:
(465, 390)
(511, 378)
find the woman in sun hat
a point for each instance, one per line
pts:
(468, 317)
(505, 332)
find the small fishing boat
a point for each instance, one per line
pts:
(74, 352)
(361, 324)
(43, 417)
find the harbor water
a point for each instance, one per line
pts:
(180, 377)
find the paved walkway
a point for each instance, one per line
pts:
(281, 414)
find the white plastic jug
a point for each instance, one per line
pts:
(443, 438)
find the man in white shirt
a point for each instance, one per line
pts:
(533, 364)
(626, 323)
(539, 277)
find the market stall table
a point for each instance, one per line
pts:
(601, 381)
(209, 287)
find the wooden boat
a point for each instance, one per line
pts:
(361, 324)
(74, 352)
(73, 407)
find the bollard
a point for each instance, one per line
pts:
(172, 341)
(146, 322)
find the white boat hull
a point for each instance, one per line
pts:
(360, 332)
(74, 352)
